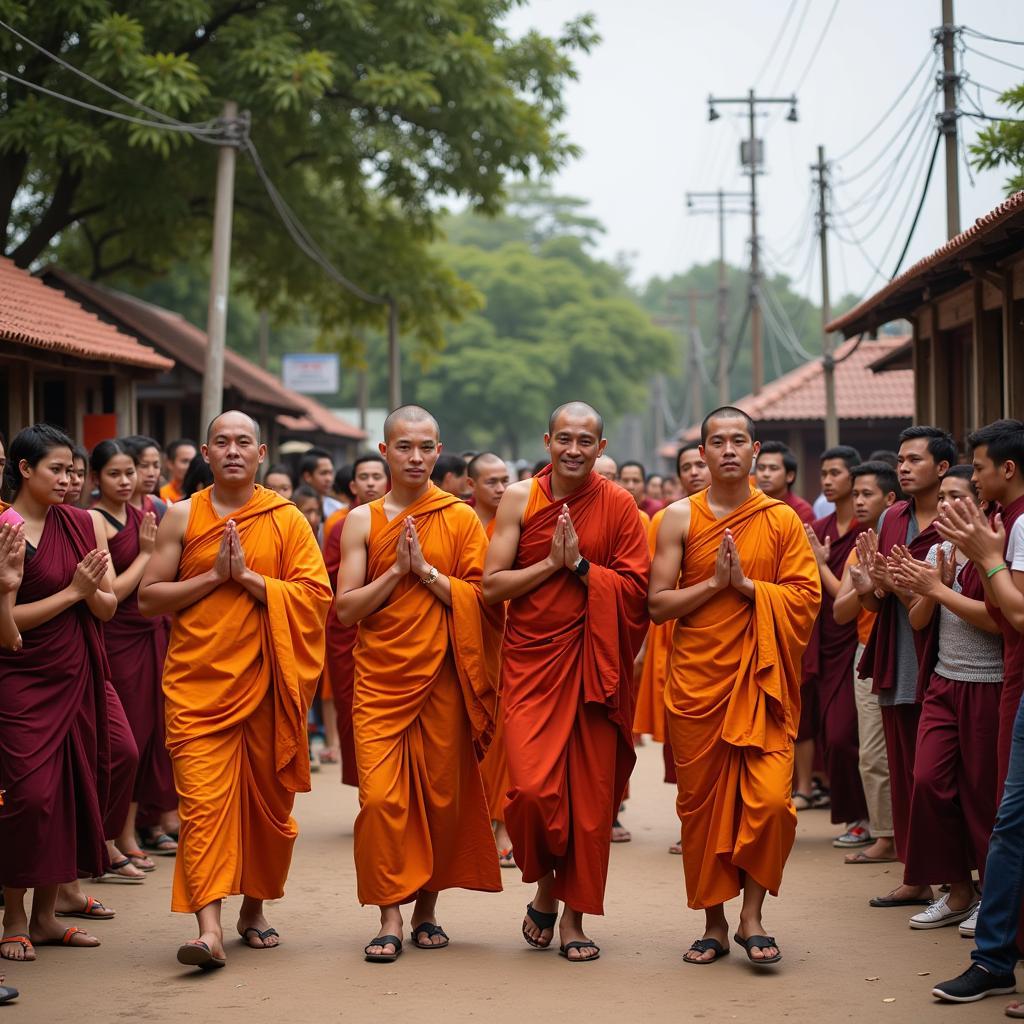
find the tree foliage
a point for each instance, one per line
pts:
(370, 115)
(1001, 144)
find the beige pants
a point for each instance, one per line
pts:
(874, 762)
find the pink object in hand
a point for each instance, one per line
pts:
(10, 516)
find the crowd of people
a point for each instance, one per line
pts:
(479, 650)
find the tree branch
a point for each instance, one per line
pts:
(12, 172)
(196, 41)
(58, 216)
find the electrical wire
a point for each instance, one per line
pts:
(784, 324)
(920, 205)
(992, 39)
(792, 45)
(775, 44)
(817, 48)
(995, 60)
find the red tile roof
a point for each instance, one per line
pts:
(320, 419)
(32, 314)
(860, 394)
(948, 254)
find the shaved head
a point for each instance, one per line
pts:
(480, 463)
(235, 414)
(606, 467)
(409, 414)
(579, 410)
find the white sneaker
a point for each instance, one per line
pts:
(966, 928)
(938, 914)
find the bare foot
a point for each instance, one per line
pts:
(390, 924)
(214, 941)
(50, 931)
(620, 834)
(544, 903)
(718, 932)
(677, 849)
(754, 926)
(570, 929)
(254, 928)
(883, 849)
(71, 900)
(425, 913)
(11, 949)
(910, 892)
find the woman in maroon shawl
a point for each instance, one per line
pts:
(54, 731)
(135, 648)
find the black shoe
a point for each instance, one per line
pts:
(974, 984)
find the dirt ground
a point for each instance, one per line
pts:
(843, 960)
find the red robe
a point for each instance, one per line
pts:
(567, 689)
(341, 663)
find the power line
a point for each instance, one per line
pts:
(775, 44)
(920, 205)
(792, 45)
(982, 116)
(991, 39)
(817, 47)
(995, 60)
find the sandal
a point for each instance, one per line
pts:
(92, 911)
(863, 858)
(383, 958)
(803, 801)
(505, 858)
(262, 936)
(160, 843)
(703, 946)
(624, 835)
(430, 930)
(580, 944)
(22, 940)
(543, 921)
(68, 939)
(7, 994)
(135, 856)
(113, 874)
(198, 954)
(759, 942)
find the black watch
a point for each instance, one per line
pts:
(582, 567)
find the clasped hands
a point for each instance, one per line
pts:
(900, 573)
(230, 561)
(408, 555)
(565, 544)
(728, 566)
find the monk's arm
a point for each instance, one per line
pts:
(1006, 590)
(664, 600)
(846, 606)
(161, 592)
(356, 598)
(441, 588)
(500, 581)
(921, 611)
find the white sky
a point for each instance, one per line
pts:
(639, 110)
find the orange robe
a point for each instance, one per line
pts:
(238, 681)
(171, 492)
(567, 688)
(339, 671)
(733, 698)
(650, 699)
(423, 714)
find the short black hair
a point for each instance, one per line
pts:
(197, 477)
(305, 491)
(310, 460)
(941, 445)
(638, 465)
(279, 469)
(964, 473)
(539, 465)
(789, 462)
(727, 412)
(105, 451)
(137, 444)
(885, 455)
(846, 452)
(368, 457)
(32, 445)
(447, 464)
(181, 442)
(884, 474)
(342, 478)
(350, 471)
(1003, 441)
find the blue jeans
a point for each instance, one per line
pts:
(998, 920)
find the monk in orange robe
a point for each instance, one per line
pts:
(570, 556)
(179, 457)
(488, 481)
(425, 690)
(369, 482)
(745, 607)
(241, 571)
(651, 716)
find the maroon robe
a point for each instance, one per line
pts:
(828, 668)
(136, 647)
(54, 727)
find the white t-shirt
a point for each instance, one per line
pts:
(1015, 546)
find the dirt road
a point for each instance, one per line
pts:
(843, 960)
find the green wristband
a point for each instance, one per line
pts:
(998, 568)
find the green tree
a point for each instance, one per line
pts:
(370, 115)
(1001, 144)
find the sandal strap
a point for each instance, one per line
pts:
(704, 945)
(23, 940)
(759, 942)
(581, 944)
(70, 934)
(384, 940)
(542, 919)
(429, 929)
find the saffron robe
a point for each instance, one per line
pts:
(55, 758)
(423, 712)
(136, 647)
(567, 688)
(650, 699)
(341, 666)
(238, 681)
(733, 698)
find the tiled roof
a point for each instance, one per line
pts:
(860, 394)
(320, 419)
(947, 254)
(40, 317)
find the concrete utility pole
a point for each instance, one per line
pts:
(394, 358)
(828, 361)
(220, 272)
(949, 118)
(752, 158)
(693, 200)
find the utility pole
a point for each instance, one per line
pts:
(696, 385)
(220, 270)
(828, 361)
(693, 200)
(394, 358)
(948, 119)
(263, 338)
(752, 159)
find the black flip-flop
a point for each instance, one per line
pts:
(543, 921)
(8, 994)
(198, 954)
(430, 930)
(383, 958)
(579, 944)
(759, 942)
(703, 946)
(262, 936)
(884, 901)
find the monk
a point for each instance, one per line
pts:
(570, 556)
(369, 482)
(488, 481)
(605, 466)
(425, 690)
(240, 570)
(651, 716)
(745, 607)
(177, 459)
(449, 473)
(775, 470)
(828, 660)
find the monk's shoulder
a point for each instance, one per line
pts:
(516, 497)
(358, 520)
(675, 518)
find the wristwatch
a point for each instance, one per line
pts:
(431, 576)
(582, 567)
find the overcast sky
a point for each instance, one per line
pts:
(639, 110)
